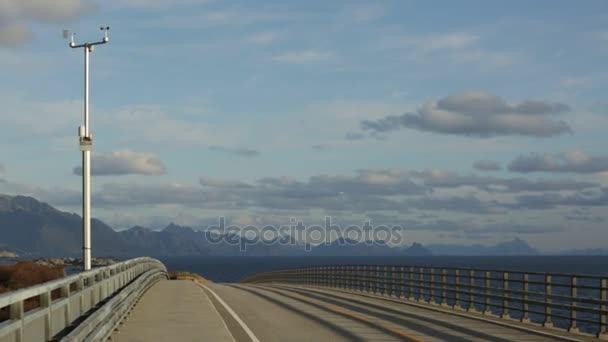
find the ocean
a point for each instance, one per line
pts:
(234, 269)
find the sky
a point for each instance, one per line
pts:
(464, 122)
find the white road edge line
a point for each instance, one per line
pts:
(233, 314)
(218, 313)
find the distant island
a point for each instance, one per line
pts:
(58, 234)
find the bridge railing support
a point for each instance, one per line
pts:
(48, 311)
(573, 302)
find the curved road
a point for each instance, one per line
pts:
(296, 313)
(188, 311)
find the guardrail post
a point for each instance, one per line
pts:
(336, 276)
(402, 282)
(457, 290)
(602, 317)
(573, 294)
(444, 284)
(377, 275)
(431, 285)
(16, 314)
(411, 276)
(45, 304)
(472, 307)
(320, 273)
(524, 306)
(487, 306)
(368, 281)
(505, 295)
(347, 276)
(548, 321)
(394, 281)
(421, 284)
(65, 293)
(358, 278)
(385, 287)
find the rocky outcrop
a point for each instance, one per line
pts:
(7, 254)
(95, 262)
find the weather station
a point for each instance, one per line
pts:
(85, 138)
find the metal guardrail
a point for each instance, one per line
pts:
(81, 307)
(577, 303)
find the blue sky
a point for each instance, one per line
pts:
(358, 110)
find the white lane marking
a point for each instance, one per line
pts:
(218, 313)
(233, 314)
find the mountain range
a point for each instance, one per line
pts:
(32, 228)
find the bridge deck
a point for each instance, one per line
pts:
(174, 310)
(299, 313)
(184, 311)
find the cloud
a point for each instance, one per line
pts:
(575, 161)
(14, 34)
(590, 219)
(447, 41)
(436, 178)
(361, 14)
(354, 136)
(593, 198)
(453, 47)
(17, 16)
(263, 38)
(155, 4)
(431, 43)
(468, 204)
(304, 57)
(320, 147)
(242, 152)
(123, 163)
(479, 114)
(222, 183)
(486, 165)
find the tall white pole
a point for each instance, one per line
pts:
(86, 173)
(86, 144)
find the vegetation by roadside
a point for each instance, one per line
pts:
(188, 276)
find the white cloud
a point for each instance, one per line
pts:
(575, 161)
(123, 163)
(57, 11)
(263, 38)
(362, 14)
(431, 43)
(478, 113)
(162, 127)
(458, 47)
(304, 56)
(155, 4)
(14, 34)
(17, 15)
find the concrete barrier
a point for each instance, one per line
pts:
(84, 306)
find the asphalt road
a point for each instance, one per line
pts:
(294, 313)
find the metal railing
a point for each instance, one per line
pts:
(577, 303)
(84, 306)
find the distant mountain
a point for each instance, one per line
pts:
(347, 247)
(31, 229)
(514, 247)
